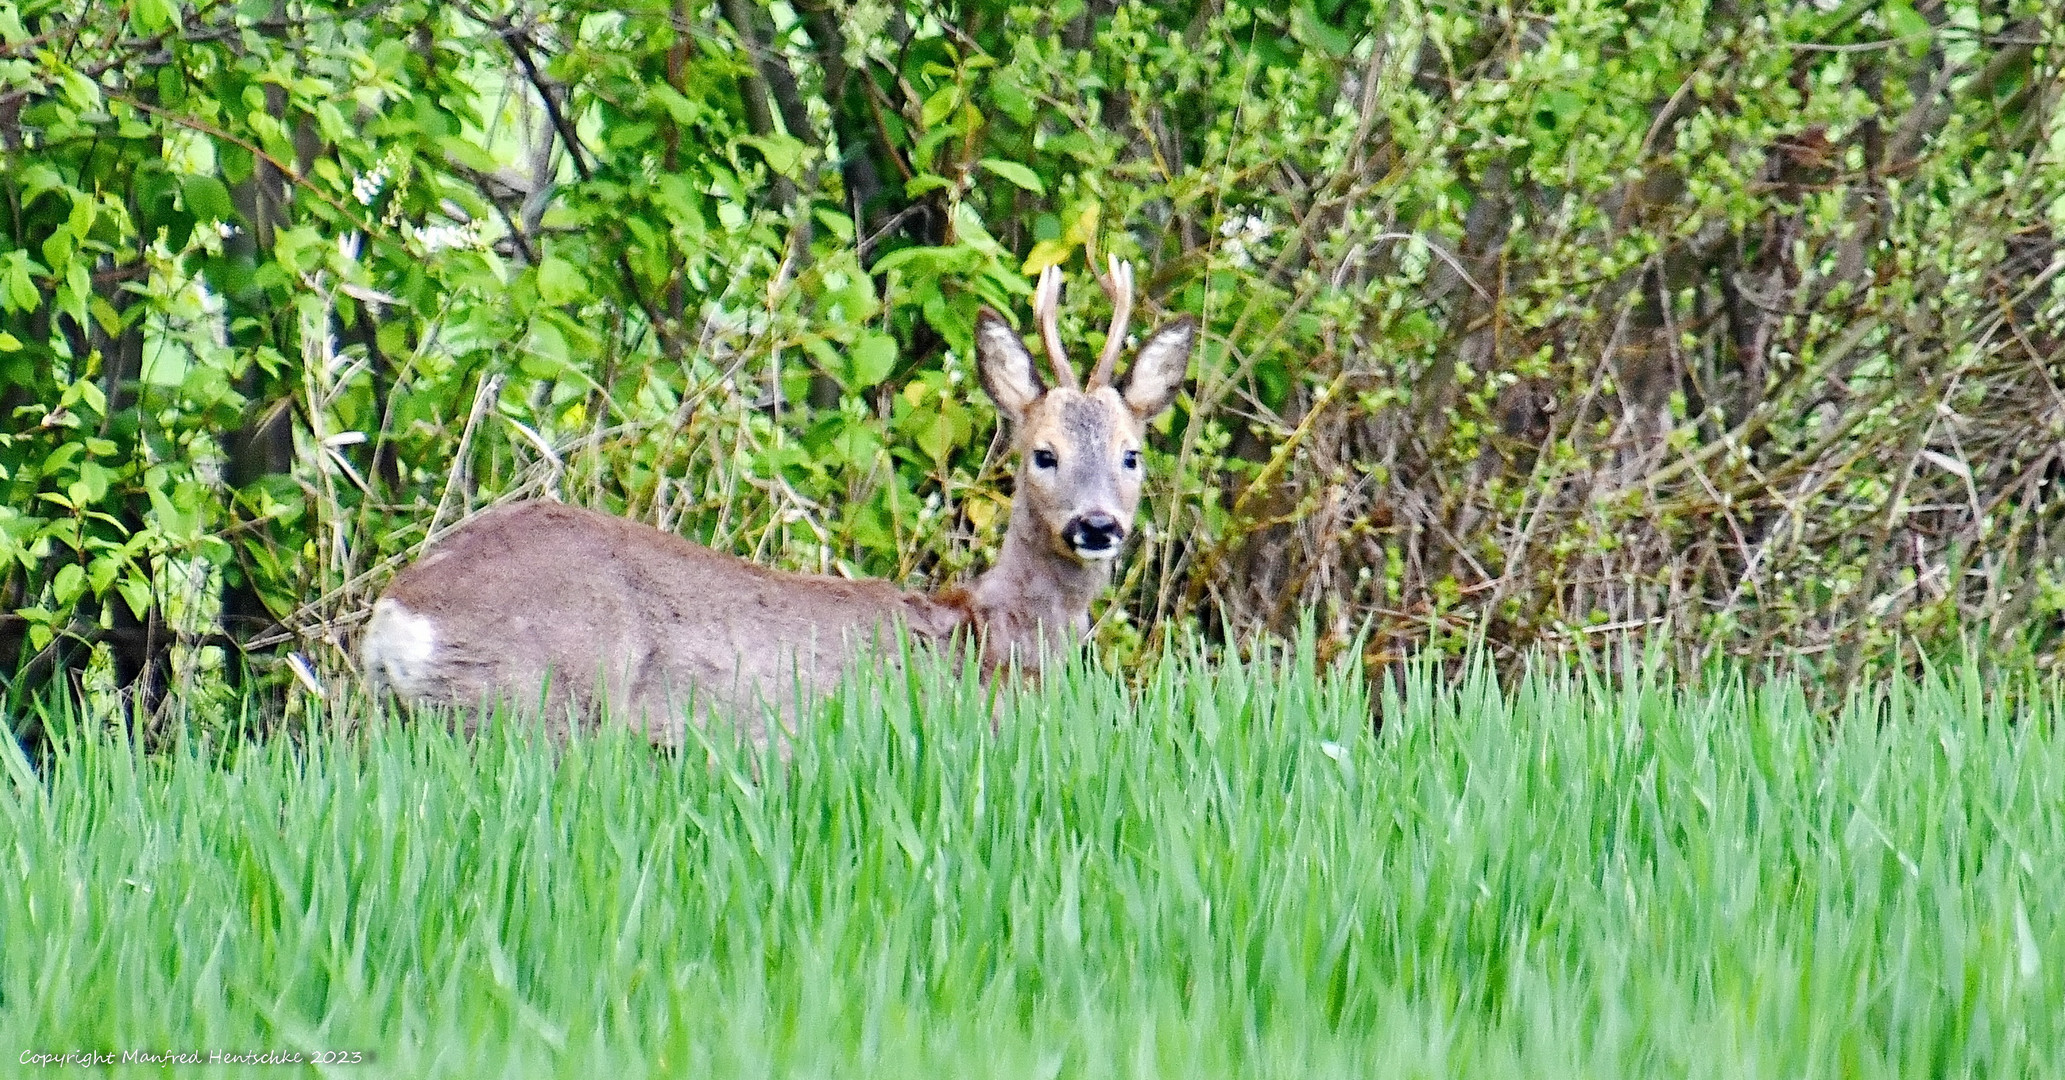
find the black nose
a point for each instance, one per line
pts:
(1096, 532)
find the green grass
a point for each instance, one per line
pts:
(1225, 874)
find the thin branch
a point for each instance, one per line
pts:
(286, 170)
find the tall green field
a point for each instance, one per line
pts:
(1225, 872)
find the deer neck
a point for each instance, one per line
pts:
(1034, 597)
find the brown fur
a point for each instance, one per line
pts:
(634, 619)
(582, 612)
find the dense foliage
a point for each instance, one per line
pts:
(1222, 873)
(1735, 321)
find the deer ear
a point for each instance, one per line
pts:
(1150, 385)
(1006, 366)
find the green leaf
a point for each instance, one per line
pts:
(87, 392)
(153, 17)
(168, 518)
(969, 120)
(18, 290)
(171, 87)
(92, 485)
(1904, 22)
(9, 343)
(546, 353)
(77, 289)
(838, 224)
(105, 314)
(69, 583)
(1559, 109)
(300, 250)
(1012, 99)
(900, 256)
(80, 90)
(207, 199)
(62, 457)
(467, 153)
(870, 360)
(784, 153)
(680, 108)
(1083, 228)
(1016, 173)
(560, 282)
(943, 431)
(926, 150)
(1315, 28)
(939, 106)
(135, 588)
(237, 163)
(1047, 253)
(157, 194)
(83, 212)
(37, 179)
(432, 120)
(100, 573)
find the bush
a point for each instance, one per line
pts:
(1737, 323)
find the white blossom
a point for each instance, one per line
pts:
(436, 238)
(1242, 232)
(365, 187)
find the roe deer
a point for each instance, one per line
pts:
(587, 612)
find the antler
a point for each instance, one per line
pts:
(1119, 286)
(1047, 311)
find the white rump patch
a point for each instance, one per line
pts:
(398, 646)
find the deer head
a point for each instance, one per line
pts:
(1079, 443)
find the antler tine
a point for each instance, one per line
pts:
(1047, 311)
(1118, 286)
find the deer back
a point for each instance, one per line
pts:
(589, 613)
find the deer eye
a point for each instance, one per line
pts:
(1131, 460)
(1043, 459)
